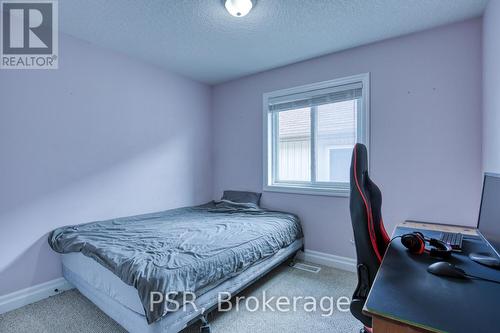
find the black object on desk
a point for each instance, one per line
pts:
(487, 224)
(455, 239)
(405, 292)
(443, 268)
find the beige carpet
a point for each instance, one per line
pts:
(72, 312)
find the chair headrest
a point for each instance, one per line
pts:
(360, 161)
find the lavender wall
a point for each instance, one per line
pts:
(425, 131)
(491, 87)
(103, 136)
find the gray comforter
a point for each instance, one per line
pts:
(180, 250)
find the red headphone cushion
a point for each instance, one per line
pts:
(414, 242)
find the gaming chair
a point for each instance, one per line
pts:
(370, 236)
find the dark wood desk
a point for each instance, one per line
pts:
(406, 298)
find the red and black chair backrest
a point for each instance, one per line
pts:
(370, 236)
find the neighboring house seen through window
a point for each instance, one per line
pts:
(311, 131)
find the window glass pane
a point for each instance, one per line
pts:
(294, 145)
(335, 137)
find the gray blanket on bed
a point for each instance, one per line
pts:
(180, 250)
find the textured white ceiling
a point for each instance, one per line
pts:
(199, 39)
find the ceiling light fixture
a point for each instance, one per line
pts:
(238, 8)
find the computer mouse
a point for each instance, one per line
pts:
(443, 268)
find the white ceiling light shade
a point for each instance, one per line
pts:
(239, 8)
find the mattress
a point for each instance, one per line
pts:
(102, 279)
(182, 251)
(122, 303)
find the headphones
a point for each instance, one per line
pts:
(415, 243)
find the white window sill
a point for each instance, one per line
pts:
(308, 190)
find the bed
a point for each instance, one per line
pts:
(220, 247)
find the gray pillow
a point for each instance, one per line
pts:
(242, 197)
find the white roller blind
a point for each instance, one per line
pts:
(316, 97)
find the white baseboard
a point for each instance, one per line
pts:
(330, 260)
(33, 294)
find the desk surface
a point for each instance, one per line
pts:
(404, 291)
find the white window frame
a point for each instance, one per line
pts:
(318, 188)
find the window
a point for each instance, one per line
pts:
(311, 131)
